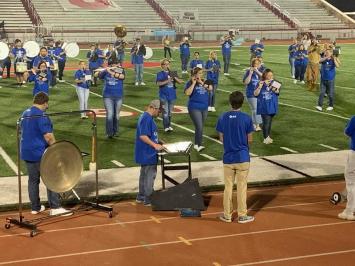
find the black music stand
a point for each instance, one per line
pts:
(175, 149)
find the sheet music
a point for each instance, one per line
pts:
(177, 147)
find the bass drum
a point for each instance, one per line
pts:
(148, 53)
(4, 50)
(72, 49)
(32, 48)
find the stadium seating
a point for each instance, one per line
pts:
(14, 15)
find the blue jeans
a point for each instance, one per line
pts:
(184, 61)
(138, 69)
(198, 117)
(292, 65)
(168, 107)
(300, 71)
(146, 182)
(326, 86)
(226, 61)
(267, 121)
(33, 188)
(212, 96)
(120, 57)
(113, 108)
(83, 96)
(253, 103)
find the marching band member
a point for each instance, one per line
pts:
(301, 61)
(96, 59)
(291, 56)
(256, 50)
(146, 147)
(197, 90)
(119, 47)
(267, 105)
(6, 63)
(113, 78)
(43, 56)
(82, 78)
(166, 44)
(251, 80)
(137, 57)
(167, 92)
(213, 67)
(40, 78)
(226, 44)
(59, 53)
(196, 62)
(184, 54)
(235, 130)
(19, 55)
(51, 54)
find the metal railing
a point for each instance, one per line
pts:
(32, 12)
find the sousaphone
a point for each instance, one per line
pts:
(120, 31)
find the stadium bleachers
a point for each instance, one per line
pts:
(225, 13)
(14, 15)
(137, 15)
(308, 13)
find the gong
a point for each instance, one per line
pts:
(61, 166)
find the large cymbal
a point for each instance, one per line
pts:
(61, 166)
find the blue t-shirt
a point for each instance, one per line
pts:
(227, 47)
(196, 62)
(144, 153)
(213, 74)
(38, 59)
(80, 74)
(94, 60)
(253, 49)
(235, 127)
(268, 101)
(250, 88)
(301, 58)
(292, 50)
(57, 52)
(168, 91)
(40, 85)
(19, 54)
(185, 49)
(113, 87)
(33, 143)
(327, 70)
(137, 58)
(350, 131)
(198, 100)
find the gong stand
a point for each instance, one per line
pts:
(85, 205)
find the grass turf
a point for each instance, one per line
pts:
(297, 125)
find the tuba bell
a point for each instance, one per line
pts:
(120, 31)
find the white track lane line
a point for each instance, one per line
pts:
(178, 242)
(288, 149)
(208, 157)
(297, 257)
(328, 147)
(119, 164)
(8, 160)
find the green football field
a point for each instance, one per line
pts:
(297, 126)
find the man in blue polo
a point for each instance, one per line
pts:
(256, 50)
(184, 54)
(226, 53)
(235, 131)
(146, 149)
(37, 135)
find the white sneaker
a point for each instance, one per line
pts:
(257, 128)
(166, 129)
(200, 148)
(60, 211)
(330, 108)
(319, 108)
(345, 216)
(302, 82)
(136, 83)
(41, 210)
(213, 109)
(196, 147)
(209, 109)
(295, 81)
(171, 129)
(293, 77)
(142, 83)
(270, 139)
(267, 141)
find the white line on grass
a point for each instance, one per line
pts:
(165, 160)
(119, 164)
(208, 157)
(288, 149)
(328, 147)
(8, 160)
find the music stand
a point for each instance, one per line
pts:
(175, 149)
(32, 224)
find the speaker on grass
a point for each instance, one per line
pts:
(183, 196)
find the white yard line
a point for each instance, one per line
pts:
(8, 160)
(119, 164)
(328, 147)
(208, 157)
(288, 149)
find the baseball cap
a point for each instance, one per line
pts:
(155, 104)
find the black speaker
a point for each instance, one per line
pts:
(184, 196)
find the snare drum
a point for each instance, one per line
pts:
(21, 67)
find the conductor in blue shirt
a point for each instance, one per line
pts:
(235, 131)
(146, 151)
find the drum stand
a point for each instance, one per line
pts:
(85, 205)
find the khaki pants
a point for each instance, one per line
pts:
(240, 172)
